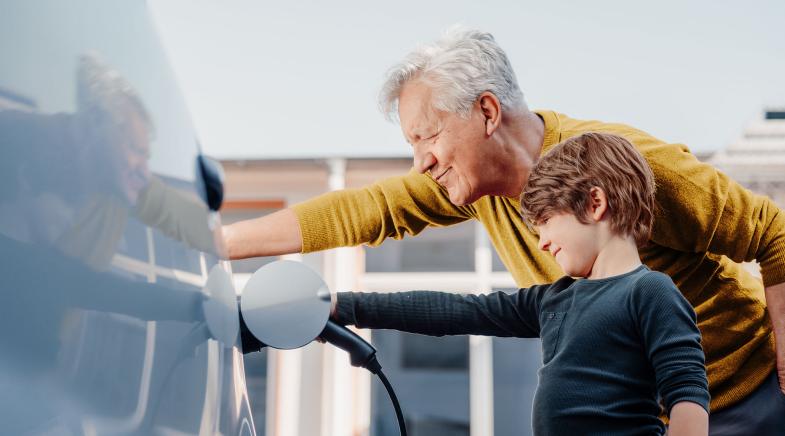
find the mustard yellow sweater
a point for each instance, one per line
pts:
(705, 225)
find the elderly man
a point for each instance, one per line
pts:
(474, 142)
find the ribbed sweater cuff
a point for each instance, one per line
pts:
(344, 309)
(773, 268)
(693, 394)
(312, 224)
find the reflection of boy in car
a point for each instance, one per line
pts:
(616, 336)
(73, 178)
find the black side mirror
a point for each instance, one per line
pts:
(211, 181)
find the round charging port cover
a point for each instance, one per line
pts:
(285, 304)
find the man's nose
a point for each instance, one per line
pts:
(424, 160)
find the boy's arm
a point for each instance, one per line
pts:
(667, 326)
(688, 418)
(443, 313)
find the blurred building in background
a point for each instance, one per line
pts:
(446, 386)
(757, 158)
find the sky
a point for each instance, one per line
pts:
(300, 79)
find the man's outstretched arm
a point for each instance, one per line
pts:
(390, 208)
(270, 235)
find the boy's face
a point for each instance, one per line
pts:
(572, 243)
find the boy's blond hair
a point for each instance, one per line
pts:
(562, 178)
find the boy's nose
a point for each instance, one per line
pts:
(544, 244)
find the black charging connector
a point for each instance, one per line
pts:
(248, 341)
(363, 355)
(360, 352)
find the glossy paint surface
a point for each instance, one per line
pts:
(117, 316)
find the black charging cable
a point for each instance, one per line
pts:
(362, 354)
(393, 398)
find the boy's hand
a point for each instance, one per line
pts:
(688, 418)
(333, 304)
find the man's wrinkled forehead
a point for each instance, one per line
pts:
(418, 117)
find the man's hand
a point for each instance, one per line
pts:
(214, 223)
(775, 300)
(270, 235)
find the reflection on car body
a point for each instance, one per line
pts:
(109, 322)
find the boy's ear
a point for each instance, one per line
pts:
(598, 203)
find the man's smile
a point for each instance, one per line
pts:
(438, 178)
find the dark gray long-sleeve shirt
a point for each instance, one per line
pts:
(611, 347)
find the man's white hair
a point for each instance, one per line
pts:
(105, 98)
(459, 67)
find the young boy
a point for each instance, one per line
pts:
(617, 338)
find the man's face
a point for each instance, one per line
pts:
(131, 156)
(446, 146)
(572, 243)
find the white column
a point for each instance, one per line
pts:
(271, 396)
(481, 347)
(284, 387)
(288, 366)
(341, 380)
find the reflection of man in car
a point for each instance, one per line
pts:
(71, 179)
(115, 124)
(69, 182)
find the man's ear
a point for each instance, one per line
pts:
(598, 203)
(491, 109)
